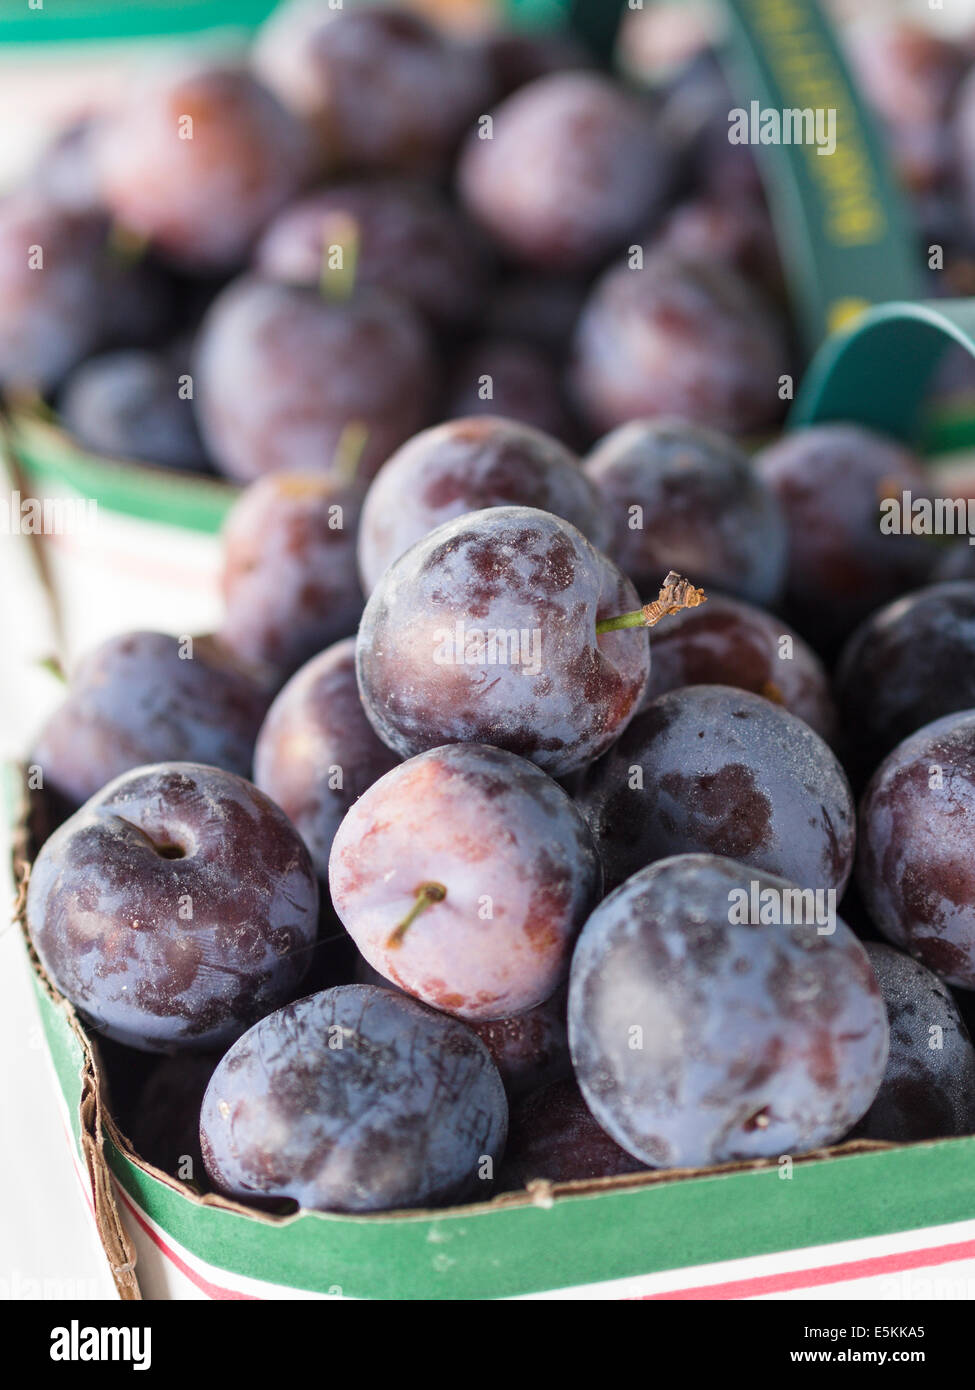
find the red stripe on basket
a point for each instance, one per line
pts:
(215, 1291)
(826, 1274)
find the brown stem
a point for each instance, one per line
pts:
(675, 593)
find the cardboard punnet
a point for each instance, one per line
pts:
(598, 1239)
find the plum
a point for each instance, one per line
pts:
(709, 768)
(195, 160)
(737, 233)
(355, 1099)
(174, 908)
(283, 372)
(832, 481)
(673, 336)
(52, 281)
(928, 1090)
(64, 173)
(317, 752)
(886, 690)
(915, 867)
(530, 1049)
(571, 168)
(146, 697)
(382, 89)
(656, 41)
(728, 642)
(553, 1136)
(910, 77)
(463, 876)
(701, 1038)
(517, 57)
(485, 631)
(501, 376)
(464, 466)
(538, 310)
(289, 573)
(127, 405)
(686, 498)
(408, 240)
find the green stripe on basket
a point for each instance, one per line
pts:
(503, 1251)
(154, 494)
(73, 21)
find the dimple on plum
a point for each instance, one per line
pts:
(175, 908)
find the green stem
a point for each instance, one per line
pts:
(637, 619)
(342, 231)
(349, 450)
(426, 894)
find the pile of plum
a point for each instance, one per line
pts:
(499, 833)
(371, 222)
(523, 770)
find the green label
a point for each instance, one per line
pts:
(842, 231)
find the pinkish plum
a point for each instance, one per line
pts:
(464, 876)
(195, 162)
(570, 169)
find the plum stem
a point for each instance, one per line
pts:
(426, 894)
(52, 665)
(340, 232)
(125, 245)
(675, 593)
(349, 450)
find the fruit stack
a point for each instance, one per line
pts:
(506, 831)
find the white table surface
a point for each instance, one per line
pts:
(47, 1244)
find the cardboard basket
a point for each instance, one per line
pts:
(607, 1239)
